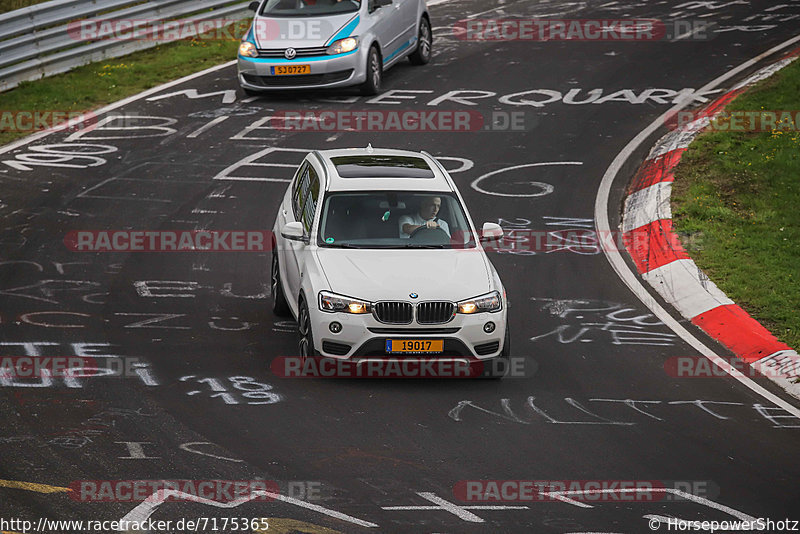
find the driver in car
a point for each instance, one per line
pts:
(427, 216)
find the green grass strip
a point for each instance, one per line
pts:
(11, 5)
(98, 84)
(738, 194)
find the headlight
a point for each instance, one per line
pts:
(348, 44)
(489, 302)
(332, 303)
(248, 49)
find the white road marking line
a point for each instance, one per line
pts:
(475, 15)
(206, 127)
(690, 33)
(94, 114)
(688, 496)
(188, 447)
(629, 278)
(145, 509)
(136, 451)
(462, 512)
(228, 95)
(545, 188)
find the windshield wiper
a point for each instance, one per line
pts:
(340, 245)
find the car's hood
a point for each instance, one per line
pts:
(301, 32)
(392, 274)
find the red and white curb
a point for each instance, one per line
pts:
(662, 261)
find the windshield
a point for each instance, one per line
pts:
(393, 219)
(308, 8)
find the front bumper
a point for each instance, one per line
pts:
(326, 72)
(364, 337)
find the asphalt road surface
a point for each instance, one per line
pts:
(194, 331)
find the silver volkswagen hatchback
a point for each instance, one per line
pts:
(306, 44)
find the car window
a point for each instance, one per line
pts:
(310, 200)
(305, 8)
(377, 219)
(297, 189)
(305, 195)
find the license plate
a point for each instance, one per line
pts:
(283, 70)
(415, 346)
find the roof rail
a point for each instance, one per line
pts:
(441, 168)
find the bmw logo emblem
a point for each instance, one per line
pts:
(413, 295)
(290, 53)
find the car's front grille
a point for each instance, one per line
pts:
(413, 331)
(393, 312)
(301, 52)
(435, 312)
(297, 79)
(487, 348)
(337, 349)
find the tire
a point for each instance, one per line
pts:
(279, 305)
(306, 340)
(498, 367)
(422, 55)
(372, 86)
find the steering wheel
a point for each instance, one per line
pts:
(433, 235)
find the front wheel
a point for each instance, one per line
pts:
(306, 342)
(422, 55)
(372, 86)
(279, 305)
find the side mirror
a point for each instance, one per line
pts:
(293, 231)
(253, 6)
(491, 231)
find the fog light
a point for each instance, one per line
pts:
(489, 327)
(335, 327)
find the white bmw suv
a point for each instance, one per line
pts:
(376, 257)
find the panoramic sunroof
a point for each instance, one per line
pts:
(382, 167)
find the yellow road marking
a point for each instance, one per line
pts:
(30, 486)
(282, 525)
